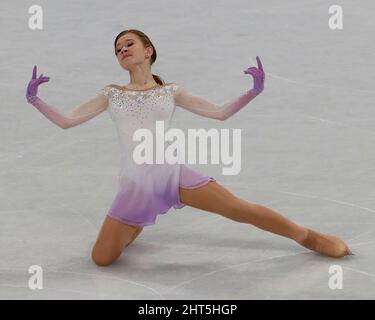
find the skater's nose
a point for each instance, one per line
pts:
(124, 49)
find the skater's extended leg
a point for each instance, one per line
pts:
(215, 198)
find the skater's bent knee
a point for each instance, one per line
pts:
(103, 260)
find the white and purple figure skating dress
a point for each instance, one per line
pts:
(146, 190)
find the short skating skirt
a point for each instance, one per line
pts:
(153, 191)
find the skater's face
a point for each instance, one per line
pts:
(131, 52)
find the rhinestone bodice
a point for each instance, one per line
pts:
(134, 109)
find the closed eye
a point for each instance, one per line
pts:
(118, 50)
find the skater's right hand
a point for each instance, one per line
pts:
(32, 88)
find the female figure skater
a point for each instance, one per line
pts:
(146, 190)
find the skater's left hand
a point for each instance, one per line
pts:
(258, 75)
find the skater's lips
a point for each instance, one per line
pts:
(128, 55)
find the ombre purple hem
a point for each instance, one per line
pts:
(190, 179)
(132, 223)
(140, 204)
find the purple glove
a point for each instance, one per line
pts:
(258, 75)
(32, 88)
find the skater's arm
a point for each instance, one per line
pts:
(81, 114)
(87, 110)
(185, 99)
(201, 106)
